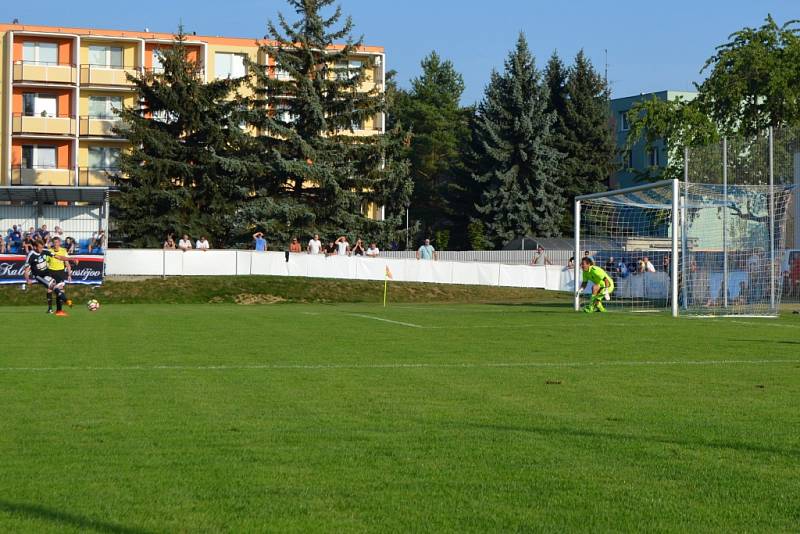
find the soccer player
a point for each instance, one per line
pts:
(36, 265)
(602, 285)
(58, 269)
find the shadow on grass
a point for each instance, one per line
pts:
(35, 511)
(631, 438)
(781, 342)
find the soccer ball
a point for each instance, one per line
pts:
(93, 305)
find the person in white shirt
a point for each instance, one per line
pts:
(372, 251)
(185, 243)
(342, 246)
(540, 258)
(202, 244)
(648, 265)
(314, 245)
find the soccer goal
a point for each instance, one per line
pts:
(692, 249)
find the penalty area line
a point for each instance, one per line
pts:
(410, 325)
(378, 366)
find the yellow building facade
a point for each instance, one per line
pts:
(60, 87)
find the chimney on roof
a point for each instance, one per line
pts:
(15, 21)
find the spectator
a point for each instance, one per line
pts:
(71, 245)
(358, 249)
(30, 234)
(15, 236)
(540, 258)
(169, 244)
(58, 233)
(314, 245)
(43, 233)
(570, 264)
(394, 246)
(185, 243)
(372, 251)
(587, 255)
(2, 246)
(295, 246)
(665, 264)
(202, 244)
(342, 246)
(427, 252)
(647, 265)
(27, 243)
(622, 269)
(259, 243)
(611, 266)
(330, 250)
(98, 241)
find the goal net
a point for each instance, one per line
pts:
(693, 249)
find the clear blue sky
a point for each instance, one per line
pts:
(651, 45)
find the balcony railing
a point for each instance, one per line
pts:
(106, 75)
(44, 124)
(93, 176)
(42, 175)
(40, 72)
(99, 126)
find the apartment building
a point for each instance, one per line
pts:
(60, 87)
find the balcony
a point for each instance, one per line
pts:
(107, 76)
(95, 177)
(35, 72)
(42, 176)
(50, 125)
(99, 126)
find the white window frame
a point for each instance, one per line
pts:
(108, 52)
(231, 72)
(108, 113)
(106, 158)
(37, 52)
(624, 124)
(40, 108)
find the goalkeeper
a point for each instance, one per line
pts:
(602, 285)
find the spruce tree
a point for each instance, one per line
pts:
(432, 111)
(584, 134)
(518, 167)
(183, 172)
(317, 176)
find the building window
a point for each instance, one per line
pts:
(282, 75)
(158, 65)
(38, 157)
(624, 126)
(357, 124)
(283, 112)
(39, 105)
(103, 158)
(109, 57)
(104, 107)
(40, 53)
(652, 157)
(627, 160)
(347, 70)
(228, 65)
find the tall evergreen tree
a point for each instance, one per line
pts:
(439, 126)
(317, 175)
(518, 166)
(183, 171)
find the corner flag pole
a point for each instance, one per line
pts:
(387, 275)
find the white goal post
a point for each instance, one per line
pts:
(690, 249)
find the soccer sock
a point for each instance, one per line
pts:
(49, 301)
(60, 298)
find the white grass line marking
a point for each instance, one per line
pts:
(282, 367)
(410, 325)
(767, 324)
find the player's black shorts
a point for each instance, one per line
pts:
(58, 276)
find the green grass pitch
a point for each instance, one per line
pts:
(351, 418)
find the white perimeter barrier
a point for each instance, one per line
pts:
(130, 262)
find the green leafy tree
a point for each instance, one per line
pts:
(318, 176)
(184, 170)
(431, 110)
(518, 167)
(754, 79)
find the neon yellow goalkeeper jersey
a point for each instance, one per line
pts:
(596, 275)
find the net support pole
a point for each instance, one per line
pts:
(725, 222)
(771, 219)
(576, 266)
(684, 224)
(676, 193)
